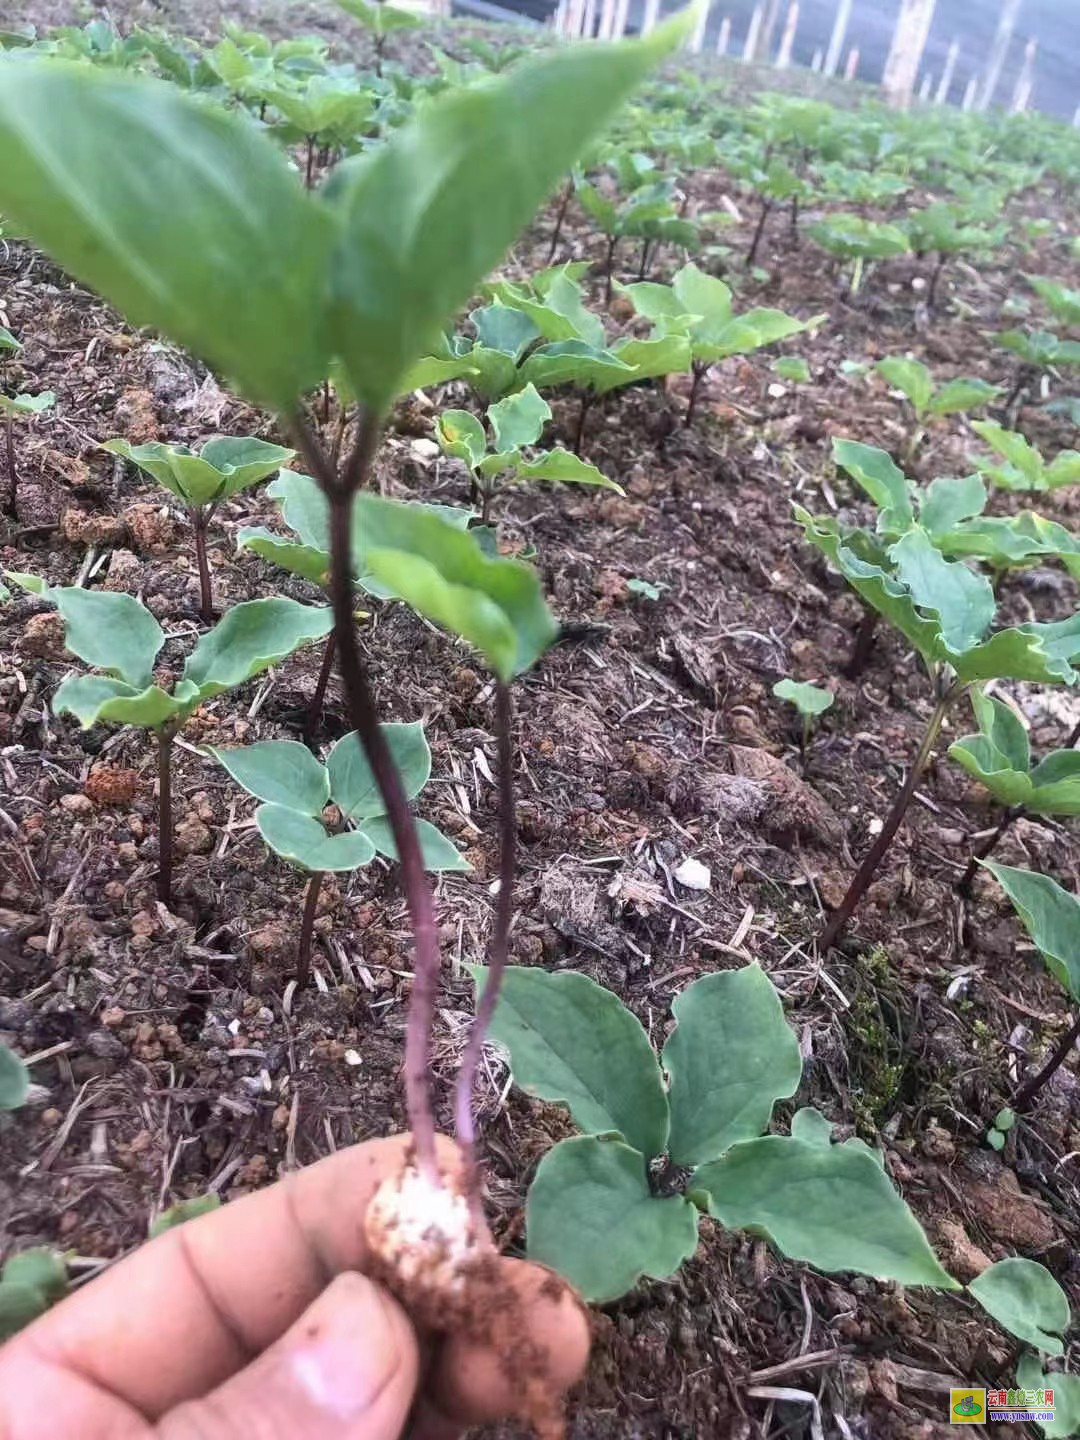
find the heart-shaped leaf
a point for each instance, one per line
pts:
(504, 328)
(1055, 784)
(731, 1056)
(298, 559)
(1024, 1298)
(519, 419)
(574, 1042)
(352, 782)
(88, 155)
(947, 501)
(93, 698)
(591, 1216)
(833, 1207)
(112, 632)
(303, 841)
(281, 772)
(883, 481)
(1066, 1392)
(566, 467)
(911, 378)
(461, 435)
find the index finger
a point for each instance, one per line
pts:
(190, 1308)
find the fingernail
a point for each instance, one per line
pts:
(348, 1362)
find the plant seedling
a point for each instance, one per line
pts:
(999, 757)
(30, 1282)
(14, 1080)
(943, 230)
(1051, 916)
(647, 214)
(849, 237)
(998, 1133)
(515, 423)
(576, 351)
(19, 407)
(792, 368)
(1039, 352)
(118, 635)
(1024, 467)
(202, 481)
(382, 20)
(295, 789)
(699, 307)
(182, 1212)
(1063, 303)
(611, 1204)
(321, 110)
(929, 401)
(809, 700)
(945, 611)
(269, 282)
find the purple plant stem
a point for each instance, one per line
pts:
(1030, 1088)
(307, 925)
(13, 479)
(499, 948)
(165, 835)
(340, 491)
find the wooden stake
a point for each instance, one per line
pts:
(926, 85)
(723, 40)
(607, 20)
(906, 52)
(839, 34)
(1025, 80)
(852, 65)
(945, 83)
(817, 60)
(999, 52)
(750, 44)
(650, 17)
(697, 39)
(787, 39)
(969, 94)
(622, 15)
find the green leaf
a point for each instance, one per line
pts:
(224, 466)
(505, 329)
(249, 638)
(962, 600)
(911, 378)
(298, 559)
(731, 1056)
(659, 355)
(1055, 783)
(433, 370)
(1050, 915)
(565, 466)
(810, 1125)
(1003, 731)
(1066, 1388)
(576, 362)
(93, 698)
(14, 1080)
(303, 841)
(352, 782)
(792, 368)
(112, 632)
(964, 393)
(1025, 1299)
(883, 481)
(40, 1267)
(429, 213)
(281, 772)
(18, 405)
(807, 699)
(947, 501)
(519, 419)
(833, 1207)
(443, 573)
(461, 435)
(237, 263)
(19, 1305)
(574, 1042)
(437, 850)
(590, 1216)
(182, 1212)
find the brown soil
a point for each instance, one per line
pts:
(172, 1053)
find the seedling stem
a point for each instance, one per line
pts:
(165, 835)
(307, 926)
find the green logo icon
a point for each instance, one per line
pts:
(968, 1406)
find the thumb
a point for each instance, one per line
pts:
(346, 1370)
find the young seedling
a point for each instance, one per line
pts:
(666, 1137)
(944, 230)
(809, 700)
(849, 237)
(515, 423)
(14, 1080)
(321, 111)
(699, 307)
(998, 1133)
(204, 480)
(382, 20)
(1040, 352)
(944, 610)
(999, 757)
(295, 789)
(792, 368)
(576, 351)
(1051, 916)
(12, 408)
(1023, 467)
(1063, 303)
(929, 401)
(647, 214)
(182, 1212)
(267, 282)
(118, 635)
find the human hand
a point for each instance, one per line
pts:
(257, 1320)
